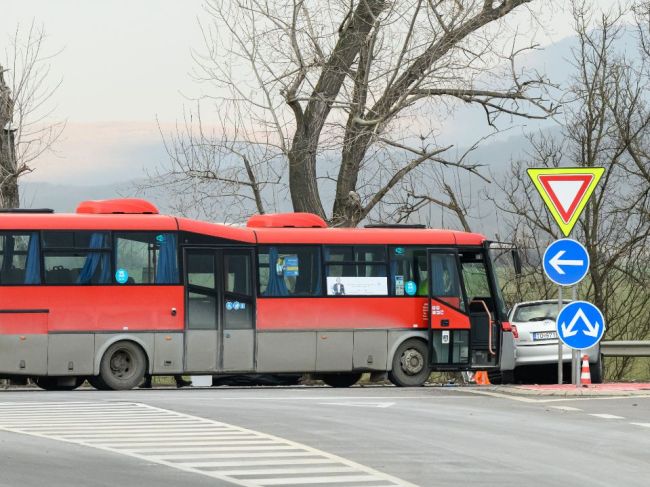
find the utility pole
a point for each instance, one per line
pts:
(9, 197)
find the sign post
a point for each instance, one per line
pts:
(566, 263)
(566, 191)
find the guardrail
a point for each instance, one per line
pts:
(625, 348)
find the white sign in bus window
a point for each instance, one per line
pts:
(357, 286)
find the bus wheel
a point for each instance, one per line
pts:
(410, 364)
(340, 380)
(123, 366)
(54, 384)
(97, 382)
(501, 376)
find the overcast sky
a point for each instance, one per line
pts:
(125, 63)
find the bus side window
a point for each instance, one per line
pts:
(289, 271)
(146, 258)
(20, 259)
(72, 258)
(408, 265)
(358, 270)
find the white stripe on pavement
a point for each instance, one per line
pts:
(606, 416)
(566, 408)
(189, 443)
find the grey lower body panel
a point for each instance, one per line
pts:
(80, 354)
(238, 350)
(70, 354)
(286, 351)
(168, 353)
(322, 351)
(507, 351)
(23, 354)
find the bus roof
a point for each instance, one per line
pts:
(251, 235)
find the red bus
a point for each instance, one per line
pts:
(116, 292)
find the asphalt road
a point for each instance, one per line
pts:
(356, 437)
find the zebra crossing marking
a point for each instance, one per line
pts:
(219, 450)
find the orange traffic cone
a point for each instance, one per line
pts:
(481, 378)
(585, 376)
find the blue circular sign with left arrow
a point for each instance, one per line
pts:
(566, 262)
(580, 325)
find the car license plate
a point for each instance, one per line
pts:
(544, 335)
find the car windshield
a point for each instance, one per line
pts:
(535, 312)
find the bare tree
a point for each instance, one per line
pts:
(605, 126)
(26, 90)
(345, 97)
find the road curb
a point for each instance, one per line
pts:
(596, 390)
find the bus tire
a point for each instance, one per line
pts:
(53, 384)
(123, 366)
(341, 380)
(97, 382)
(410, 364)
(501, 376)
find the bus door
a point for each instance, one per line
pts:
(485, 334)
(461, 330)
(220, 309)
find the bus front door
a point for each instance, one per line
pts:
(220, 310)
(449, 320)
(464, 330)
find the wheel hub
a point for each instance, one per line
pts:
(412, 362)
(120, 363)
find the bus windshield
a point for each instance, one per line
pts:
(477, 282)
(502, 259)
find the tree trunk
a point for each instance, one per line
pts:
(302, 155)
(8, 171)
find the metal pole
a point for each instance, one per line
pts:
(559, 342)
(576, 355)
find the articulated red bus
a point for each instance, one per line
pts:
(116, 292)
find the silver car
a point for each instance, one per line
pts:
(536, 340)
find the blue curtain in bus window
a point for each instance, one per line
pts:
(93, 260)
(33, 262)
(276, 285)
(167, 268)
(8, 253)
(437, 276)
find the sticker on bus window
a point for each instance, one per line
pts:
(290, 266)
(400, 250)
(410, 288)
(229, 305)
(399, 285)
(160, 238)
(122, 276)
(445, 337)
(235, 305)
(357, 286)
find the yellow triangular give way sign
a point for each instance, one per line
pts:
(566, 190)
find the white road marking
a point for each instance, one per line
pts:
(192, 444)
(361, 404)
(606, 416)
(545, 399)
(566, 408)
(645, 425)
(316, 480)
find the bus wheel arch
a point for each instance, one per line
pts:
(123, 365)
(410, 363)
(146, 347)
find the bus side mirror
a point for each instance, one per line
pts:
(516, 259)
